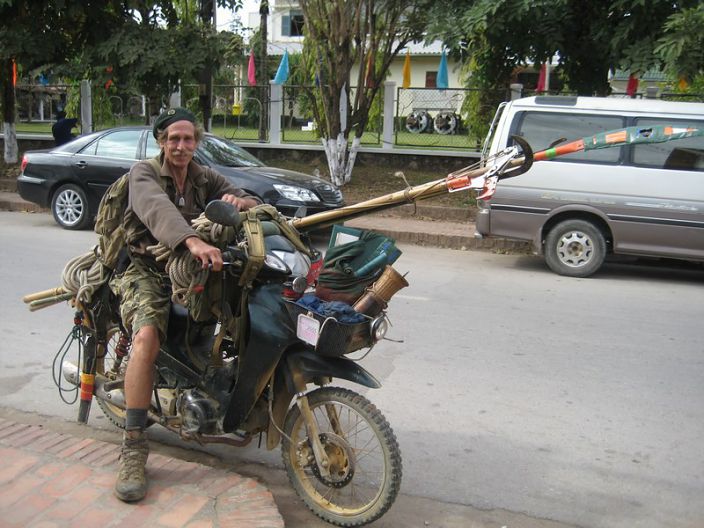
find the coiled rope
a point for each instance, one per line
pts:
(83, 275)
(185, 271)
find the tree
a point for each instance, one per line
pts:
(681, 47)
(148, 46)
(588, 39)
(339, 34)
(162, 44)
(45, 32)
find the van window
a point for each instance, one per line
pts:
(681, 154)
(540, 129)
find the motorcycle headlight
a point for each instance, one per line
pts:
(297, 194)
(379, 327)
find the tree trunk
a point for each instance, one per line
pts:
(263, 76)
(341, 158)
(8, 104)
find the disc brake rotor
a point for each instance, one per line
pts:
(341, 458)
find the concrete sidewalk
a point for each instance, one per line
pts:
(422, 225)
(51, 479)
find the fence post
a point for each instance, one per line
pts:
(516, 91)
(276, 106)
(86, 107)
(175, 99)
(389, 113)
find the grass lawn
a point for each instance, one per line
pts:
(402, 138)
(371, 182)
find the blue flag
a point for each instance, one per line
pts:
(441, 81)
(282, 72)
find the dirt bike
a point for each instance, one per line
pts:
(231, 378)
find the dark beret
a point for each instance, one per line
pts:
(171, 116)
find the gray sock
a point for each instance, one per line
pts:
(136, 419)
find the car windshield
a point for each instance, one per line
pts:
(218, 151)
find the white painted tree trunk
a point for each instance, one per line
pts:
(10, 142)
(340, 159)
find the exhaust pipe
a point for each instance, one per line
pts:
(113, 396)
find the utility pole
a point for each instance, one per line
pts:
(263, 79)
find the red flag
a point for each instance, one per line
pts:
(632, 86)
(14, 73)
(541, 79)
(251, 72)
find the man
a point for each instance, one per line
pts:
(160, 209)
(61, 130)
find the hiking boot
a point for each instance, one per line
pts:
(131, 484)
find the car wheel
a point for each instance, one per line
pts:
(575, 248)
(69, 206)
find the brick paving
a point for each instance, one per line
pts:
(56, 480)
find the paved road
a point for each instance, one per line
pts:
(519, 398)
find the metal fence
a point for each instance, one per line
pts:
(423, 117)
(238, 111)
(298, 121)
(41, 103)
(431, 117)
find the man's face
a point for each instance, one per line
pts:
(180, 143)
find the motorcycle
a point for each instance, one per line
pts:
(229, 379)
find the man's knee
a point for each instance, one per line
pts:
(145, 343)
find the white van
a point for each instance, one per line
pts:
(645, 199)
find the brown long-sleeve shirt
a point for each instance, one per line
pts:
(157, 213)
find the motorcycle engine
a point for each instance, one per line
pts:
(198, 412)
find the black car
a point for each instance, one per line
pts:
(71, 179)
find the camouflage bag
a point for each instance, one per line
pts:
(109, 222)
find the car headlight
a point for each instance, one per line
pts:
(298, 194)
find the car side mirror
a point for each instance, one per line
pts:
(223, 213)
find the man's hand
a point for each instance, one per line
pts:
(204, 252)
(242, 204)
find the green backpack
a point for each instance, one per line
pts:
(109, 222)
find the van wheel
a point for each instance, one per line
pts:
(575, 248)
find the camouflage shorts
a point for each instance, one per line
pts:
(144, 295)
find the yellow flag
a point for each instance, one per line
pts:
(407, 70)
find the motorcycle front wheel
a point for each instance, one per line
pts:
(365, 460)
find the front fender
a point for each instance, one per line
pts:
(304, 365)
(299, 368)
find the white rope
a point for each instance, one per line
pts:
(185, 271)
(82, 275)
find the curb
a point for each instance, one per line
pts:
(420, 225)
(57, 479)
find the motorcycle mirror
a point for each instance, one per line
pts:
(224, 213)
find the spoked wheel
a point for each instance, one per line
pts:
(365, 460)
(108, 364)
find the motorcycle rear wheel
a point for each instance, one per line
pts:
(103, 366)
(365, 460)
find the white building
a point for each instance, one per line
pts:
(285, 32)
